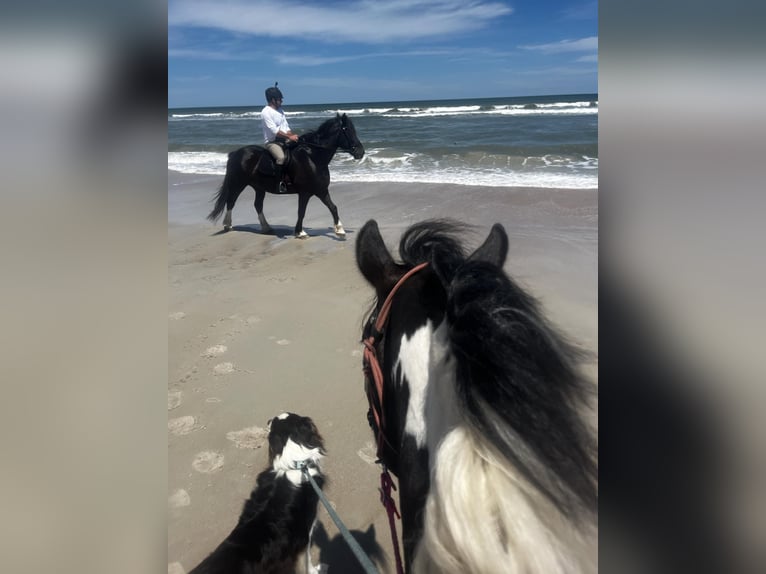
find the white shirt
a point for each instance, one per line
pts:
(273, 121)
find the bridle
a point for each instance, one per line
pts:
(372, 372)
(373, 375)
(349, 148)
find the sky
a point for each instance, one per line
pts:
(227, 52)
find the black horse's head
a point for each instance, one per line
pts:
(347, 139)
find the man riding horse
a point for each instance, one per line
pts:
(275, 128)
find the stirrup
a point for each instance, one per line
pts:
(281, 188)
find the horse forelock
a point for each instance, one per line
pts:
(435, 241)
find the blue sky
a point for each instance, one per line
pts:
(226, 52)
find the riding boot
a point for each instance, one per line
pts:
(281, 187)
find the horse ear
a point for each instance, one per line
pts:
(373, 258)
(495, 247)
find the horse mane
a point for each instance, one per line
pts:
(517, 376)
(323, 131)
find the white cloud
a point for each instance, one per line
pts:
(309, 60)
(589, 44)
(588, 59)
(363, 21)
(207, 54)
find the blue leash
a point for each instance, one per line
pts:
(363, 559)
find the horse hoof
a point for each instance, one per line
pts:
(267, 229)
(302, 235)
(339, 231)
(227, 227)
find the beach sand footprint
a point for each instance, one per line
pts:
(174, 399)
(208, 462)
(179, 499)
(182, 425)
(251, 437)
(223, 368)
(367, 453)
(215, 351)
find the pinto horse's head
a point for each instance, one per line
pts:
(399, 332)
(476, 404)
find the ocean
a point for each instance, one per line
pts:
(543, 141)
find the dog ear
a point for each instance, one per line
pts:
(310, 434)
(276, 445)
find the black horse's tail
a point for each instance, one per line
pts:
(223, 192)
(234, 178)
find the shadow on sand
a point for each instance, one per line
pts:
(337, 554)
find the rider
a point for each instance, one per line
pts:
(275, 127)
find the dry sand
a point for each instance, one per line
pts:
(262, 324)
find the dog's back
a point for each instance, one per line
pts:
(273, 527)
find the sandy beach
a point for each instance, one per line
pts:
(262, 324)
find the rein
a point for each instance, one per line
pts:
(351, 149)
(359, 554)
(373, 371)
(370, 359)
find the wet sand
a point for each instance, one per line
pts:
(262, 324)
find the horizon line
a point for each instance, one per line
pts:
(382, 101)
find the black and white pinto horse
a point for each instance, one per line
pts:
(307, 171)
(481, 411)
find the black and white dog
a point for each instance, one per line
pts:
(274, 525)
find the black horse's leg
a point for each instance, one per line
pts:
(234, 191)
(303, 201)
(260, 194)
(338, 226)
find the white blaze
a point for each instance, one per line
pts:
(413, 360)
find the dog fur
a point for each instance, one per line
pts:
(273, 528)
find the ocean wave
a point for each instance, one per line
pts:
(555, 108)
(381, 165)
(229, 116)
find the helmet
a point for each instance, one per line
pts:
(273, 93)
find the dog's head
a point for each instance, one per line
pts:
(294, 441)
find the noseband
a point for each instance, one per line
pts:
(349, 149)
(372, 372)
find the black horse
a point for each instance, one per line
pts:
(307, 173)
(478, 406)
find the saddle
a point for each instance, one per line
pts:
(266, 165)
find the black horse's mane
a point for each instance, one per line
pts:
(517, 375)
(323, 131)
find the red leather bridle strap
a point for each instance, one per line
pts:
(370, 356)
